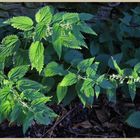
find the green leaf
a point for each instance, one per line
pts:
(53, 69)
(85, 16)
(132, 62)
(72, 56)
(21, 22)
(21, 58)
(40, 31)
(36, 55)
(17, 72)
(86, 29)
(81, 95)
(28, 84)
(92, 70)
(61, 93)
(132, 90)
(27, 122)
(117, 67)
(42, 118)
(70, 41)
(97, 91)
(31, 94)
(9, 44)
(15, 112)
(69, 79)
(137, 68)
(84, 64)
(57, 17)
(86, 100)
(56, 40)
(117, 58)
(89, 92)
(134, 119)
(58, 47)
(5, 108)
(4, 92)
(87, 89)
(41, 100)
(94, 48)
(71, 17)
(87, 84)
(106, 84)
(111, 94)
(44, 15)
(78, 35)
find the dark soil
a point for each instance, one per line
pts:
(104, 120)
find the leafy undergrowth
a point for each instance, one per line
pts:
(103, 120)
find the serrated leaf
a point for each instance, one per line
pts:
(84, 64)
(36, 55)
(41, 100)
(71, 17)
(78, 35)
(44, 15)
(53, 69)
(89, 92)
(40, 31)
(5, 108)
(70, 41)
(87, 89)
(58, 17)
(134, 119)
(17, 72)
(32, 94)
(27, 122)
(87, 84)
(9, 44)
(28, 84)
(82, 96)
(61, 92)
(58, 47)
(90, 72)
(56, 40)
(21, 22)
(4, 92)
(69, 80)
(87, 29)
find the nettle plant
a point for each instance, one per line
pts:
(42, 64)
(22, 100)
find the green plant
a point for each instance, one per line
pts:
(23, 100)
(42, 64)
